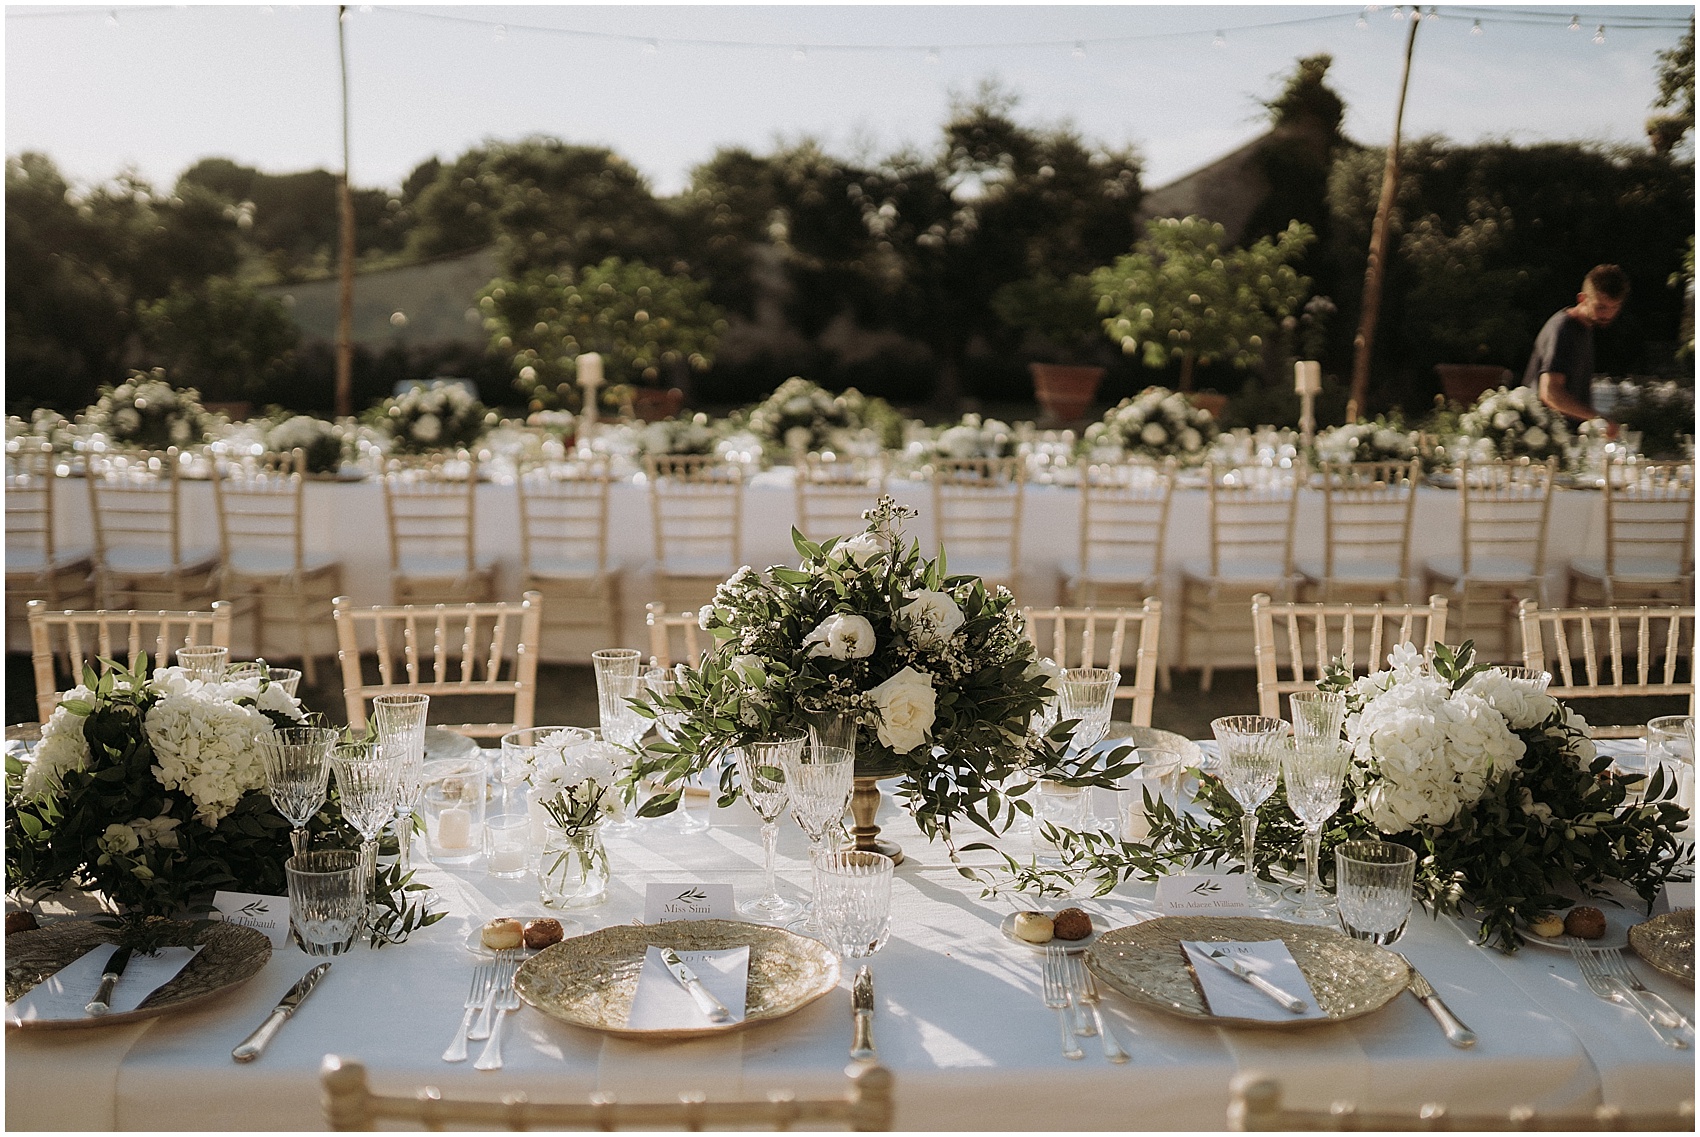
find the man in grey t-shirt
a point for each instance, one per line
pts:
(1561, 367)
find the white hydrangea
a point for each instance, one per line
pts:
(1523, 702)
(62, 747)
(203, 744)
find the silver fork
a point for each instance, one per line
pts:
(1612, 989)
(507, 999)
(1056, 998)
(1086, 989)
(482, 978)
(1618, 968)
(481, 1028)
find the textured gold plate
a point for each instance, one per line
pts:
(1127, 733)
(1146, 963)
(233, 956)
(1667, 942)
(590, 980)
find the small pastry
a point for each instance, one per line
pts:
(20, 922)
(1072, 924)
(542, 932)
(1585, 923)
(1548, 925)
(1034, 927)
(502, 935)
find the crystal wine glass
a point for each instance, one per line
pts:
(401, 730)
(1087, 695)
(366, 787)
(619, 680)
(203, 661)
(818, 781)
(761, 769)
(1314, 772)
(1317, 715)
(1250, 766)
(297, 763)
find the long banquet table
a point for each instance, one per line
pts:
(347, 519)
(959, 1023)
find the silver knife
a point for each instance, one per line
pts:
(255, 1043)
(115, 965)
(862, 1008)
(1451, 1025)
(712, 1007)
(1228, 963)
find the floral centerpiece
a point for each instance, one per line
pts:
(1156, 423)
(146, 411)
(437, 416)
(1662, 412)
(1512, 422)
(974, 437)
(1382, 439)
(804, 416)
(930, 671)
(45, 428)
(687, 435)
(320, 441)
(1493, 782)
(150, 791)
(577, 792)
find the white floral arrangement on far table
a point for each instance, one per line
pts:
(1381, 439)
(974, 437)
(1512, 422)
(146, 411)
(1156, 423)
(436, 416)
(320, 441)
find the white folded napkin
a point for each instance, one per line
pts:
(662, 1003)
(1229, 996)
(65, 993)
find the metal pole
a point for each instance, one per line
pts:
(1375, 270)
(345, 281)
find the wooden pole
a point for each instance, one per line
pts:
(345, 278)
(1376, 268)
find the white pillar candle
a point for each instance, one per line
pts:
(507, 860)
(590, 370)
(454, 828)
(1307, 377)
(1136, 823)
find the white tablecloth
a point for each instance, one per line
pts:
(959, 1023)
(347, 520)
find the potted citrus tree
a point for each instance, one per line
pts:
(1060, 326)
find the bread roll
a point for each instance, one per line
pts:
(542, 932)
(1072, 924)
(502, 935)
(1548, 925)
(1585, 923)
(1034, 927)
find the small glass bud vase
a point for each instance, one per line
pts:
(573, 870)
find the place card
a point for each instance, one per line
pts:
(1678, 894)
(1191, 894)
(664, 902)
(1231, 997)
(65, 993)
(267, 914)
(662, 1003)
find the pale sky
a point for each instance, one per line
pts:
(157, 87)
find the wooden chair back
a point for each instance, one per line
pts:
(1367, 509)
(441, 650)
(1124, 517)
(1295, 642)
(1503, 508)
(697, 504)
(260, 505)
(1611, 653)
(1257, 1107)
(563, 517)
(977, 511)
(1649, 518)
(64, 643)
(431, 507)
(865, 1105)
(136, 502)
(30, 484)
(1253, 510)
(668, 632)
(833, 493)
(1076, 637)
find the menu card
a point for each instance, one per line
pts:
(662, 1003)
(1229, 996)
(65, 993)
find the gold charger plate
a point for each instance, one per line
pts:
(232, 956)
(1145, 962)
(590, 980)
(1667, 942)
(1125, 733)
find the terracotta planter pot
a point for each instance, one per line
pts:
(1208, 400)
(653, 404)
(1464, 383)
(1065, 392)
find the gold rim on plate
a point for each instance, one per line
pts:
(232, 956)
(1667, 942)
(1145, 962)
(589, 980)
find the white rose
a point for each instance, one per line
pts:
(1153, 434)
(859, 549)
(931, 617)
(1505, 420)
(842, 637)
(960, 442)
(1191, 439)
(1051, 670)
(1535, 438)
(428, 428)
(1532, 807)
(119, 839)
(750, 669)
(907, 705)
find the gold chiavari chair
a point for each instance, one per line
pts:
(563, 523)
(1124, 514)
(697, 505)
(141, 556)
(666, 631)
(1367, 509)
(977, 511)
(1302, 639)
(1076, 637)
(1611, 653)
(38, 565)
(443, 650)
(63, 644)
(431, 506)
(1503, 509)
(834, 492)
(265, 566)
(1252, 514)
(1649, 547)
(864, 1106)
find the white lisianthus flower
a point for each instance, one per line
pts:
(1582, 744)
(119, 839)
(907, 706)
(930, 617)
(750, 669)
(1531, 807)
(1051, 670)
(704, 615)
(842, 636)
(158, 831)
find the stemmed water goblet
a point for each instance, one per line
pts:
(401, 732)
(618, 681)
(761, 770)
(203, 661)
(366, 787)
(1317, 715)
(1088, 694)
(818, 782)
(1314, 772)
(1250, 767)
(297, 764)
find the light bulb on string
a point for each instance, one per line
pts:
(1476, 28)
(1576, 23)
(1600, 34)
(1397, 13)
(1433, 13)
(1363, 24)
(1079, 51)
(1220, 40)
